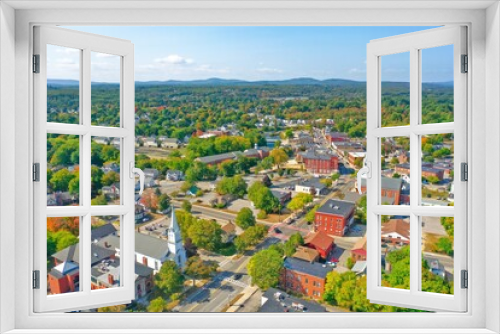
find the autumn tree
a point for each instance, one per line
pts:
(169, 278)
(245, 218)
(279, 157)
(265, 267)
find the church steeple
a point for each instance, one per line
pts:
(175, 245)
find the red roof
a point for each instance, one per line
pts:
(360, 251)
(319, 240)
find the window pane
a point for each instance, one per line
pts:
(395, 99)
(395, 251)
(105, 184)
(437, 169)
(105, 77)
(395, 167)
(105, 248)
(63, 255)
(63, 84)
(437, 84)
(437, 252)
(63, 170)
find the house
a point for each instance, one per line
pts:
(140, 213)
(228, 232)
(102, 231)
(174, 175)
(171, 143)
(152, 173)
(149, 182)
(391, 189)
(306, 254)
(303, 277)
(61, 199)
(343, 148)
(193, 191)
(319, 161)
(111, 166)
(150, 142)
(396, 231)
(277, 301)
(112, 191)
(101, 140)
(257, 152)
(358, 252)
(311, 186)
(282, 196)
(321, 242)
(334, 217)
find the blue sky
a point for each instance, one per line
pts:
(251, 53)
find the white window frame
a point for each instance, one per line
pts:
(412, 44)
(482, 317)
(125, 131)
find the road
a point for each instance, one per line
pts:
(218, 293)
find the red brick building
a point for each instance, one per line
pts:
(391, 190)
(335, 137)
(334, 217)
(358, 252)
(321, 242)
(316, 162)
(303, 277)
(427, 170)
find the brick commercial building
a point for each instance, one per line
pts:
(319, 162)
(391, 190)
(334, 217)
(303, 277)
(337, 137)
(427, 170)
(358, 252)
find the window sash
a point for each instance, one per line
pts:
(85, 297)
(413, 43)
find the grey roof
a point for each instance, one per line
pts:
(72, 253)
(319, 155)
(312, 183)
(144, 244)
(280, 301)
(219, 157)
(279, 194)
(387, 183)
(424, 168)
(170, 140)
(315, 269)
(102, 231)
(337, 207)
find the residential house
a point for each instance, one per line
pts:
(321, 242)
(228, 232)
(174, 175)
(150, 142)
(111, 166)
(282, 196)
(334, 217)
(140, 213)
(277, 301)
(102, 231)
(152, 173)
(396, 231)
(303, 277)
(311, 186)
(112, 191)
(170, 143)
(359, 268)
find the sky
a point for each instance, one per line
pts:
(250, 53)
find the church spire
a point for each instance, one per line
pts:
(175, 245)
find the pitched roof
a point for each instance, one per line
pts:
(102, 231)
(279, 301)
(360, 244)
(359, 267)
(386, 183)
(229, 228)
(319, 240)
(318, 155)
(219, 157)
(314, 182)
(400, 226)
(315, 269)
(72, 253)
(337, 207)
(306, 254)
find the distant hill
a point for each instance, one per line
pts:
(236, 82)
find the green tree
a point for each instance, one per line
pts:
(310, 216)
(96, 179)
(251, 237)
(265, 267)
(187, 206)
(279, 157)
(169, 278)
(206, 234)
(99, 200)
(290, 246)
(232, 185)
(110, 177)
(445, 245)
(197, 268)
(163, 202)
(245, 218)
(61, 179)
(157, 305)
(262, 197)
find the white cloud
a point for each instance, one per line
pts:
(174, 59)
(268, 70)
(105, 55)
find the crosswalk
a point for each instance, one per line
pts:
(235, 282)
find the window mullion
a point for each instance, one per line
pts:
(414, 169)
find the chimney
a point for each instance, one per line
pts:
(106, 244)
(111, 279)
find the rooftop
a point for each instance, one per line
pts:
(337, 207)
(400, 226)
(319, 240)
(306, 254)
(319, 155)
(314, 182)
(275, 301)
(144, 244)
(219, 157)
(102, 231)
(315, 269)
(387, 183)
